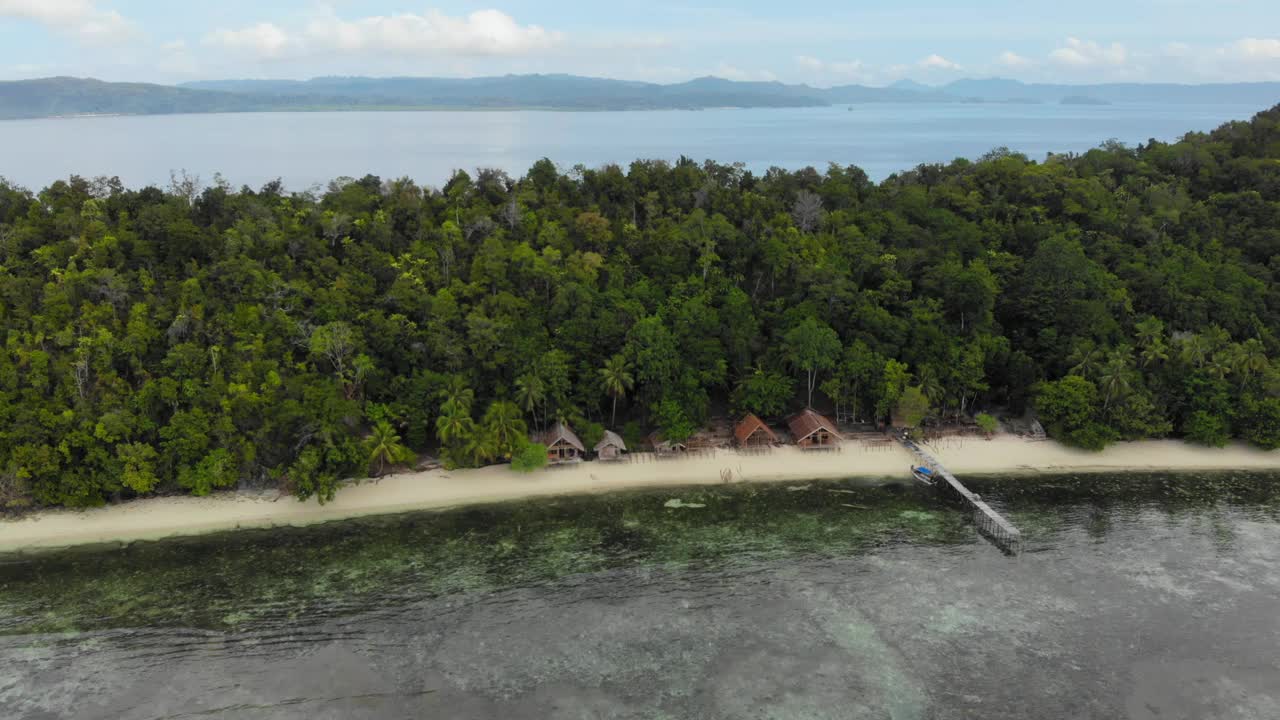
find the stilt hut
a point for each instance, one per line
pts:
(812, 431)
(752, 432)
(665, 447)
(563, 446)
(610, 446)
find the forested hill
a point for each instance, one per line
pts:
(195, 338)
(62, 96)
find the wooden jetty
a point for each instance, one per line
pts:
(989, 522)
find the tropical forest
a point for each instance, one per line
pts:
(200, 337)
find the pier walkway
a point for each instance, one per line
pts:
(989, 522)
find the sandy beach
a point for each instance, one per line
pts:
(156, 518)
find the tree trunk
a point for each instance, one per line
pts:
(613, 417)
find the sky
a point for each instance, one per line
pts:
(824, 43)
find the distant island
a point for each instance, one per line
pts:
(66, 96)
(1082, 100)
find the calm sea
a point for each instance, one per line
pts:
(1140, 597)
(304, 149)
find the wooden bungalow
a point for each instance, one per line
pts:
(752, 432)
(563, 446)
(663, 446)
(812, 431)
(610, 446)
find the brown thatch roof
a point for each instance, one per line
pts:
(561, 432)
(749, 426)
(611, 438)
(808, 422)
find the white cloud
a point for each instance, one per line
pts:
(822, 71)
(484, 32)
(1013, 60)
(264, 40)
(731, 72)
(937, 62)
(1256, 48)
(81, 18)
(1087, 53)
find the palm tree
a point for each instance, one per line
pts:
(1252, 358)
(480, 448)
(1114, 376)
(456, 392)
(1195, 350)
(1085, 359)
(502, 423)
(1150, 333)
(454, 424)
(1219, 366)
(931, 385)
(384, 446)
(530, 393)
(1154, 353)
(617, 378)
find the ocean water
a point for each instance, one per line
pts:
(1138, 597)
(306, 149)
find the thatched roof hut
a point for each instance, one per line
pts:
(811, 430)
(753, 431)
(610, 446)
(562, 444)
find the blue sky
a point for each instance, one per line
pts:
(821, 43)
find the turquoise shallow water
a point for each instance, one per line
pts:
(309, 148)
(1135, 597)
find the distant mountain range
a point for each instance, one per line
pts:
(62, 96)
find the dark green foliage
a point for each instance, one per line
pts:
(530, 457)
(763, 393)
(199, 338)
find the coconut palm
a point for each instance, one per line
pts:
(456, 392)
(618, 380)
(503, 424)
(1113, 378)
(931, 384)
(1251, 358)
(1085, 359)
(384, 446)
(530, 393)
(480, 447)
(1219, 365)
(1150, 332)
(454, 424)
(1154, 353)
(1195, 351)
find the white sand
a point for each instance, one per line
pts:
(156, 518)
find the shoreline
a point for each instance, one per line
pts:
(160, 518)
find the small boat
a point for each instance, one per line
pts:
(923, 474)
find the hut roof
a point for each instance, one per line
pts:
(611, 438)
(562, 432)
(807, 422)
(749, 426)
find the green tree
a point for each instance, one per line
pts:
(504, 427)
(617, 380)
(530, 457)
(763, 393)
(913, 407)
(811, 346)
(987, 423)
(384, 446)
